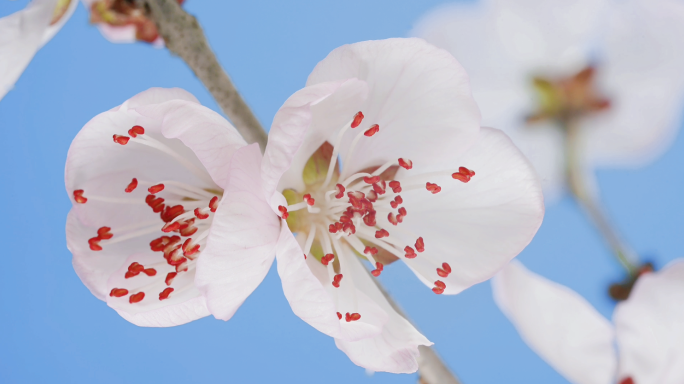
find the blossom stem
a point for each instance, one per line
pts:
(591, 205)
(431, 368)
(184, 37)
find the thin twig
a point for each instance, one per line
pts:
(431, 368)
(184, 37)
(576, 179)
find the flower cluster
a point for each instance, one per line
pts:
(379, 158)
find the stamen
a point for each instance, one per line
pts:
(283, 212)
(309, 200)
(444, 271)
(340, 191)
(420, 245)
(136, 130)
(372, 130)
(136, 298)
(378, 269)
(118, 292)
(155, 189)
(94, 244)
(132, 186)
(309, 240)
(464, 174)
(434, 188)
(371, 179)
(165, 293)
(123, 140)
(439, 287)
(327, 258)
(336, 280)
(410, 253)
(358, 118)
(406, 163)
(78, 196)
(169, 277)
(370, 250)
(339, 315)
(381, 233)
(395, 185)
(352, 317)
(213, 203)
(200, 215)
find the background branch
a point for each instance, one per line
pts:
(184, 37)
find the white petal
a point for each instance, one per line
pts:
(21, 35)
(306, 120)
(650, 328)
(417, 95)
(475, 227)
(241, 244)
(305, 293)
(558, 324)
(54, 28)
(396, 349)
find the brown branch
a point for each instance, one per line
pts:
(184, 37)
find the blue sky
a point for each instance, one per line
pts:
(55, 330)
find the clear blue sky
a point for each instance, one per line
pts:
(54, 330)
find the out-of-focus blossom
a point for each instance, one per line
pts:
(612, 69)
(24, 32)
(643, 345)
(153, 183)
(122, 21)
(381, 158)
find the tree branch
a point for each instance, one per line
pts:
(184, 37)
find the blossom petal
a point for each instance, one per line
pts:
(649, 327)
(396, 349)
(296, 133)
(417, 94)
(21, 35)
(558, 324)
(478, 226)
(242, 239)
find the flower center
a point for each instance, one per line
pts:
(339, 209)
(185, 216)
(568, 98)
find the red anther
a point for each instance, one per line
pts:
(395, 185)
(157, 245)
(434, 188)
(136, 130)
(370, 250)
(371, 179)
(163, 295)
(283, 212)
(372, 130)
(309, 200)
(358, 118)
(213, 204)
(355, 199)
(170, 227)
(136, 298)
(392, 219)
(381, 233)
(442, 273)
(349, 228)
(78, 196)
(354, 317)
(345, 219)
(336, 280)
(135, 267)
(406, 163)
(104, 234)
(372, 196)
(155, 188)
(446, 267)
(150, 271)
(182, 267)
(464, 174)
(130, 274)
(420, 245)
(339, 226)
(132, 186)
(305, 256)
(170, 213)
(327, 258)
(339, 315)
(95, 244)
(398, 199)
(189, 249)
(369, 219)
(347, 317)
(169, 278)
(410, 253)
(123, 140)
(340, 191)
(378, 269)
(380, 187)
(627, 380)
(438, 291)
(188, 230)
(118, 292)
(332, 228)
(440, 284)
(200, 215)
